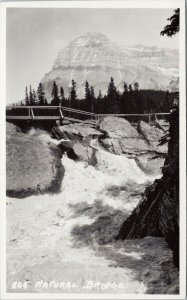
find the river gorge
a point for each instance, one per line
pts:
(62, 224)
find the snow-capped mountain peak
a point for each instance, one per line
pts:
(95, 58)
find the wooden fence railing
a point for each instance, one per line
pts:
(73, 115)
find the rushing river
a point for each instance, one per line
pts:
(66, 242)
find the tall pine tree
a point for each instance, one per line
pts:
(62, 98)
(27, 102)
(73, 95)
(136, 86)
(55, 97)
(35, 100)
(98, 106)
(99, 95)
(113, 98)
(130, 88)
(87, 96)
(93, 100)
(31, 96)
(41, 94)
(125, 87)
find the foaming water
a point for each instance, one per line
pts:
(42, 135)
(121, 169)
(86, 183)
(44, 236)
(41, 228)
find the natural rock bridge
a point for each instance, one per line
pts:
(60, 113)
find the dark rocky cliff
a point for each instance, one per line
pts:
(158, 212)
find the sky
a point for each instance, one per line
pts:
(34, 37)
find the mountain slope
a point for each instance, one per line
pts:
(95, 58)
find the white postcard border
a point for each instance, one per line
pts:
(94, 4)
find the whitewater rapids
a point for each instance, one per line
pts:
(65, 242)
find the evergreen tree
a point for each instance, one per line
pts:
(41, 94)
(31, 96)
(55, 97)
(136, 86)
(173, 27)
(34, 97)
(99, 95)
(87, 96)
(125, 87)
(27, 102)
(124, 99)
(62, 98)
(87, 90)
(113, 98)
(98, 103)
(92, 96)
(73, 95)
(130, 88)
(166, 103)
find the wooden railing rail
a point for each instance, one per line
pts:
(71, 114)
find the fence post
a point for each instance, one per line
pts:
(32, 113)
(154, 120)
(61, 114)
(95, 119)
(149, 119)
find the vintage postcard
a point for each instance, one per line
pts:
(93, 149)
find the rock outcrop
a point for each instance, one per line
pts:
(152, 135)
(118, 128)
(95, 58)
(122, 138)
(32, 166)
(148, 133)
(79, 131)
(158, 212)
(75, 141)
(117, 136)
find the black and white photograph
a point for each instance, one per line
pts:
(93, 101)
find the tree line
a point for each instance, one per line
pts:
(130, 100)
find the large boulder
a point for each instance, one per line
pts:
(116, 127)
(153, 136)
(128, 146)
(75, 141)
(150, 133)
(11, 129)
(77, 150)
(122, 138)
(32, 166)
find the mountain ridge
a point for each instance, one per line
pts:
(95, 58)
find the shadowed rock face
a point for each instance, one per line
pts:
(32, 166)
(158, 212)
(95, 58)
